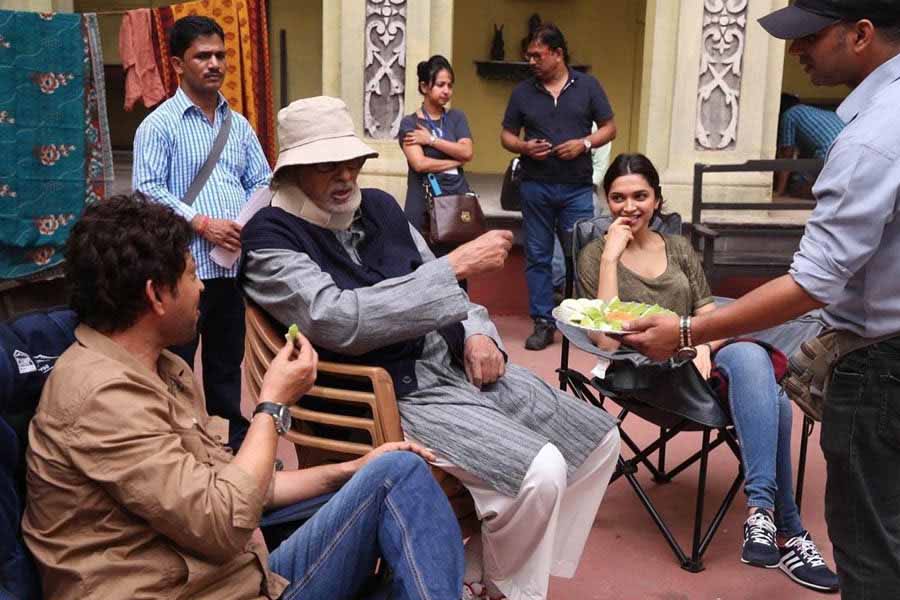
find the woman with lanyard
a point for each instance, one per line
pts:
(435, 141)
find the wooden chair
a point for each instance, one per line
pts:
(731, 245)
(351, 410)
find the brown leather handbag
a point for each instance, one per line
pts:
(453, 218)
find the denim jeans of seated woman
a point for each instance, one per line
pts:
(762, 417)
(392, 509)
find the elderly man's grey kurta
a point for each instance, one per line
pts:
(494, 432)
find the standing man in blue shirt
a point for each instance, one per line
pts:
(557, 109)
(169, 148)
(847, 263)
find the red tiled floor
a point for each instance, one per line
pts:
(626, 558)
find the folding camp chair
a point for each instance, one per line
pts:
(676, 399)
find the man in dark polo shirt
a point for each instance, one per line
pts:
(557, 109)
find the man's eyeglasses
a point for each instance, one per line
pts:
(330, 167)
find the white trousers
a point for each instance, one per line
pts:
(542, 531)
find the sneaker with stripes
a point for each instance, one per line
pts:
(759, 547)
(802, 562)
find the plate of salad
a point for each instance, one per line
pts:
(602, 316)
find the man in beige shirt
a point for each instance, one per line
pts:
(130, 493)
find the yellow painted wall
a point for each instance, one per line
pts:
(302, 19)
(110, 23)
(797, 82)
(607, 35)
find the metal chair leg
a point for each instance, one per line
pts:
(695, 564)
(661, 461)
(654, 515)
(808, 425)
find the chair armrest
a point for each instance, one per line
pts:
(704, 231)
(382, 399)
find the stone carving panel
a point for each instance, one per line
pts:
(385, 67)
(719, 85)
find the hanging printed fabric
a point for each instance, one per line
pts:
(54, 137)
(248, 83)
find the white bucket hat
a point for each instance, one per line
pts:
(317, 130)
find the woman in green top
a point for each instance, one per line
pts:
(638, 264)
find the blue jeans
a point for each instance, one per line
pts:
(548, 209)
(860, 439)
(559, 257)
(762, 417)
(392, 509)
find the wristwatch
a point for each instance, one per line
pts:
(587, 144)
(686, 350)
(432, 140)
(281, 414)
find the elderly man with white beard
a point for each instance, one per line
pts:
(345, 264)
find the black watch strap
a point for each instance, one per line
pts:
(279, 413)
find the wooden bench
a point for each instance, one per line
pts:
(761, 247)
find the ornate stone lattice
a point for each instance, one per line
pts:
(385, 69)
(719, 85)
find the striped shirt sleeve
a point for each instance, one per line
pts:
(152, 165)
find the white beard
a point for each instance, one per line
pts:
(347, 207)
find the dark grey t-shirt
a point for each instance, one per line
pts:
(581, 103)
(453, 127)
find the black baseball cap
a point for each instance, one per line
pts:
(806, 17)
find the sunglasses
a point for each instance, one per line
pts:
(330, 167)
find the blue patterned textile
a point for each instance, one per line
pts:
(54, 143)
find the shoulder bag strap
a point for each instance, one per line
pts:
(211, 160)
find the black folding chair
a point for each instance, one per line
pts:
(675, 398)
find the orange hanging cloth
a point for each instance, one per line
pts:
(142, 77)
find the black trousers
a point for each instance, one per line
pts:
(221, 329)
(861, 442)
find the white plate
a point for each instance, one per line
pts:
(564, 314)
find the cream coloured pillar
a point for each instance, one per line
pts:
(704, 60)
(401, 33)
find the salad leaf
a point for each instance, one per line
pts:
(597, 314)
(292, 333)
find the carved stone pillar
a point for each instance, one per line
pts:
(711, 60)
(385, 67)
(719, 87)
(369, 52)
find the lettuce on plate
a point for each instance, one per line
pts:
(609, 316)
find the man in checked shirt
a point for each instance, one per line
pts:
(169, 148)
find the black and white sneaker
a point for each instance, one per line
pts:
(801, 560)
(759, 547)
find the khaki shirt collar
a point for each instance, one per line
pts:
(291, 199)
(171, 369)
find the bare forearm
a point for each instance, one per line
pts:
(434, 165)
(771, 304)
(705, 310)
(257, 454)
(781, 177)
(302, 484)
(461, 151)
(608, 279)
(510, 141)
(606, 132)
